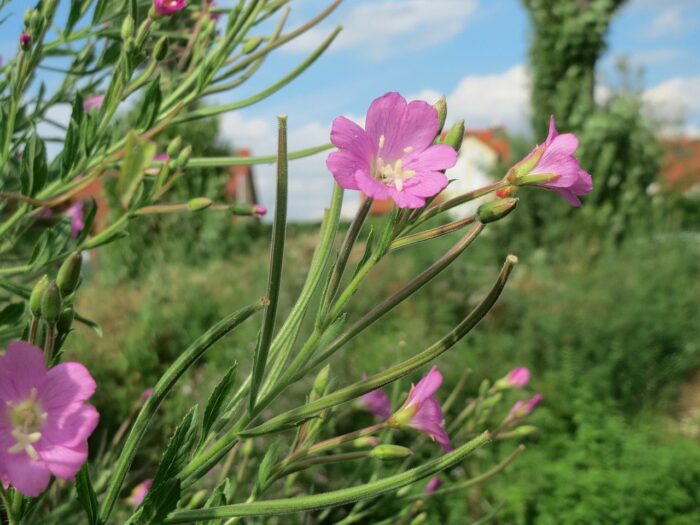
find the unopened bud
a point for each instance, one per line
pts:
(161, 49)
(441, 107)
(390, 452)
(496, 209)
(259, 210)
(248, 447)
(127, 27)
(174, 147)
(51, 303)
(37, 295)
(251, 44)
(65, 321)
(69, 274)
(25, 41)
(523, 430)
(492, 401)
(184, 157)
(36, 22)
(420, 519)
(365, 441)
(27, 17)
(484, 387)
(199, 204)
(455, 135)
(321, 381)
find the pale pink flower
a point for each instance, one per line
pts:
(140, 491)
(422, 410)
(432, 485)
(524, 407)
(552, 165)
(161, 157)
(377, 402)
(259, 210)
(168, 7)
(77, 221)
(93, 103)
(44, 420)
(394, 156)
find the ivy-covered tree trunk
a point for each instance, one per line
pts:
(568, 38)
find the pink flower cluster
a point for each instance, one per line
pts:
(44, 419)
(168, 7)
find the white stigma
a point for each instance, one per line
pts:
(382, 139)
(392, 174)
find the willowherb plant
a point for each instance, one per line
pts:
(259, 458)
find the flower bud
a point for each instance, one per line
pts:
(51, 303)
(36, 22)
(516, 378)
(69, 274)
(37, 295)
(27, 17)
(523, 431)
(199, 204)
(251, 44)
(184, 157)
(455, 136)
(365, 441)
(496, 209)
(484, 387)
(420, 519)
(390, 452)
(65, 321)
(127, 27)
(441, 107)
(174, 147)
(161, 49)
(321, 381)
(25, 41)
(248, 447)
(259, 210)
(492, 401)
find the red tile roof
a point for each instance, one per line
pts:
(680, 169)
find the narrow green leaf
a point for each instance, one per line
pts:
(88, 221)
(274, 282)
(34, 168)
(267, 464)
(216, 401)
(86, 494)
(151, 105)
(138, 157)
(12, 314)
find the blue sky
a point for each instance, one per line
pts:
(474, 51)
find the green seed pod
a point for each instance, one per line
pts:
(37, 295)
(199, 204)
(365, 441)
(496, 209)
(484, 387)
(69, 274)
(161, 49)
(441, 107)
(390, 452)
(51, 303)
(174, 147)
(65, 321)
(321, 381)
(455, 136)
(127, 27)
(251, 44)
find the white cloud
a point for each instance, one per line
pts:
(672, 101)
(310, 183)
(489, 100)
(382, 28)
(669, 22)
(654, 56)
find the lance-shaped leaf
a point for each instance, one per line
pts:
(139, 153)
(86, 495)
(33, 169)
(217, 401)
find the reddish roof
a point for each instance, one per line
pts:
(495, 138)
(680, 169)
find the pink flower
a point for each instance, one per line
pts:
(161, 157)
(25, 40)
(140, 491)
(422, 410)
(525, 407)
(259, 210)
(378, 403)
(516, 378)
(394, 156)
(146, 394)
(44, 420)
(553, 166)
(168, 7)
(77, 221)
(432, 485)
(214, 15)
(93, 103)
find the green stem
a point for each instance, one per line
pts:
(162, 388)
(432, 233)
(215, 162)
(276, 260)
(333, 498)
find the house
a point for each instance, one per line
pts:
(680, 168)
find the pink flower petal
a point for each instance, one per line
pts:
(371, 187)
(29, 477)
(70, 429)
(343, 165)
(435, 158)
(426, 184)
(426, 387)
(405, 198)
(64, 462)
(65, 384)
(347, 135)
(378, 403)
(21, 369)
